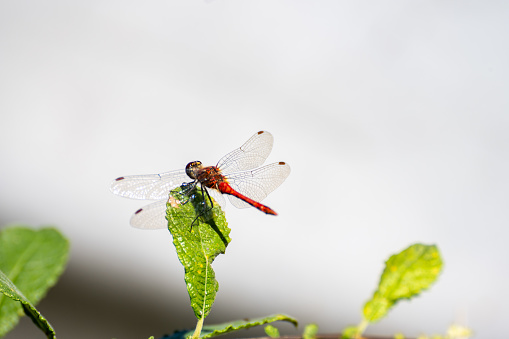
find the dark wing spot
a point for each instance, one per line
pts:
(120, 178)
(138, 211)
(282, 163)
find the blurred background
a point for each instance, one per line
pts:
(393, 116)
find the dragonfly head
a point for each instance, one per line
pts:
(192, 169)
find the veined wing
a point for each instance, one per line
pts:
(218, 198)
(151, 217)
(258, 183)
(150, 186)
(252, 154)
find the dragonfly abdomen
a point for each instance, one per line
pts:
(225, 188)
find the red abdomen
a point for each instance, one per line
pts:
(225, 188)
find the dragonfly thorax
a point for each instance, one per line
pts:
(207, 176)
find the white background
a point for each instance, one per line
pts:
(392, 114)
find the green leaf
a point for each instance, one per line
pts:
(199, 234)
(214, 330)
(11, 291)
(405, 275)
(351, 332)
(271, 331)
(310, 331)
(30, 263)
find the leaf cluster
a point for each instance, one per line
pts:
(32, 260)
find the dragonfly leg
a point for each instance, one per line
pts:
(207, 210)
(186, 187)
(210, 199)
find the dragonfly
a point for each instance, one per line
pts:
(237, 175)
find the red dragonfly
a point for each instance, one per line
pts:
(236, 175)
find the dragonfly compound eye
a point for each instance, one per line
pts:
(192, 169)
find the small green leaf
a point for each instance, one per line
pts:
(271, 331)
(350, 332)
(10, 290)
(405, 275)
(30, 263)
(199, 234)
(214, 330)
(310, 331)
(456, 331)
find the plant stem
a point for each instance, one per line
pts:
(199, 326)
(362, 327)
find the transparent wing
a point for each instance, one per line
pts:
(218, 197)
(150, 186)
(258, 183)
(250, 155)
(151, 217)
